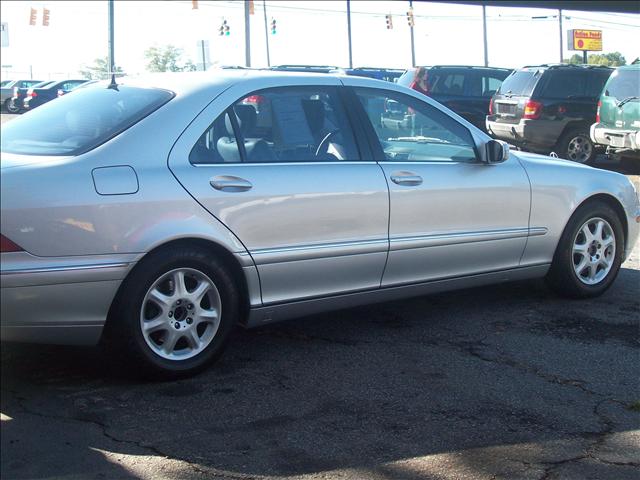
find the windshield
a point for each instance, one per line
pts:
(623, 84)
(74, 124)
(521, 83)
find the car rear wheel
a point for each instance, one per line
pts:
(589, 255)
(174, 313)
(575, 145)
(11, 106)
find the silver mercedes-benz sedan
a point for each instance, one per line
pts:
(155, 213)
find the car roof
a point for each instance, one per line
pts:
(182, 83)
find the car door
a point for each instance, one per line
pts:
(451, 215)
(280, 167)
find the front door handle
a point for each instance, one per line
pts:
(408, 179)
(229, 183)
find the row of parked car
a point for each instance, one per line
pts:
(17, 96)
(574, 111)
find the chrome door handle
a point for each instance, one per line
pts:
(229, 183)
(408, 179)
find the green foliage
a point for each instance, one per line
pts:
(613, 59)
(99, 70)
(167, 59)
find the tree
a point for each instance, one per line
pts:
(167, 59)
(99, 70)
(613, 59)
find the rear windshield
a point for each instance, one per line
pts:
(76, 123)
(623, 84)
(520, 83)
(407, 77)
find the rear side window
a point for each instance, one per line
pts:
(623, 84)
(286, 124)
(448, 84)
(565, 84)
(75, 124)
(520, 83)
(595, 83)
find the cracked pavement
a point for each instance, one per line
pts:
(502, 382)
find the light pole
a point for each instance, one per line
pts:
(112, 62)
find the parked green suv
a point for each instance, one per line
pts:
(618, 120)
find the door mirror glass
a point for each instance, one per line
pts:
(497, 151)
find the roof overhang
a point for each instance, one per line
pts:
(621, 6)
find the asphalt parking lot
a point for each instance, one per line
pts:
(508, 381)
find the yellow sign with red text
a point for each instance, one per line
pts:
(590, 40)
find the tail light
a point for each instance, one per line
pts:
(31, 93)
(491, 106)
(7, 245)
(60, 92)
(255, 99)
(598, 112)
(532, 109)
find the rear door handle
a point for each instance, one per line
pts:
(408, 179)
(229, 183)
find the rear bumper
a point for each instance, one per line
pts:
(540, 134)
(615, 139)
(57, 300)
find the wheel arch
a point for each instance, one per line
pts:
(229, 260)
(612, 202)
(574, 125)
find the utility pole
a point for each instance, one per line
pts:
(560, 27)
(413, 42)
(266, 31)
(247, 34)
(349, 32)
(112, 62)
(484, 35)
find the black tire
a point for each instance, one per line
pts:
(575, 145)
(11, 107)
(123, 337)
(562, 276)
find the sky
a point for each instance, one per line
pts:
(308, 32)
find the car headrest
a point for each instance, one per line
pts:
(314, 112)
(247, 117)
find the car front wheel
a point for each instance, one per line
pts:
(590, 252)
(174, 313)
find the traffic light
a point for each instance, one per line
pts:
(389, 21)
(45, 17)
(273, 26)
(194, 4)
(33, 16)
(410, 19)
(224, 28)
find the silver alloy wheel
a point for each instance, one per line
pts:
(594, 250)
(579, 149)
(180, 314)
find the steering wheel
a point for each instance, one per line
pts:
(324, 144)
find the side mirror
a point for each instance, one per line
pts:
(496, 151)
